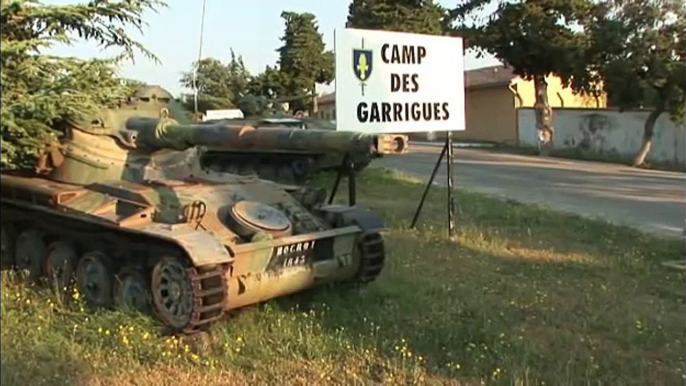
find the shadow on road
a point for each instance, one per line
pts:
(649, 200)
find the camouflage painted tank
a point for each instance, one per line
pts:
(293, 156)
(122, 206)
(304, 148)
(284, 152)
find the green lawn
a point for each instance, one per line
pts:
(525, 297)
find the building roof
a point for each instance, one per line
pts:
(489, 76)
(327, 98)
(499, 75)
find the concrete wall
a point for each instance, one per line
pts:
(607, 131)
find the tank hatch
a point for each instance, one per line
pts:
(250, 217)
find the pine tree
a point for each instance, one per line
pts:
(303, 60)
(38, 90)
(417, 16)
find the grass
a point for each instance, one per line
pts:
(525, 297)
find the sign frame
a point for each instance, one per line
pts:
(393, 91)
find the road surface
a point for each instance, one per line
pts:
(646, 199)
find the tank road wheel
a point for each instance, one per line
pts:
(186, 299)
(372, 254)
(94, 279)
(172, 292)
(131, 290)
(301, 168)
(9, 237)
(30, 253)
(60, 264)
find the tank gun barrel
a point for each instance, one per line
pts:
(164, 133)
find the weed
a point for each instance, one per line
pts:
(526, 296)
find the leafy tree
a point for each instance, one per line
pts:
(240, 78)
(418, 16)
(303, 60)
(39, 91)
(132, 85)
(219, 86)
(270, 83)
(252, 105)
(537, 39)
(640, 49)
(213, 82)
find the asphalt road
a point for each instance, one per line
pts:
(652, 201)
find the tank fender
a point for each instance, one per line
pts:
(342, 215)
(202, 247)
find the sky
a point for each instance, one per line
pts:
(251, 28)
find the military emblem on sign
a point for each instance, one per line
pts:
(362, 65)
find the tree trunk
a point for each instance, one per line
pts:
(315, 102)
(544, 116)
(648, 130)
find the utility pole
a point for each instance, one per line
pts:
(195, 71)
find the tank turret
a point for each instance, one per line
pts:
(129, 144)
(291, 158)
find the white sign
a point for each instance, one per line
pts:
(395, 82)
(223, 114)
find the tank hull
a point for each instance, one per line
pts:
(291, 156)
(91, 228)
(121, 209)
(279, 166)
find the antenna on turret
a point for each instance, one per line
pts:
(195, 71)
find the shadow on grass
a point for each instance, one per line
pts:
(527, 295)
(475, 315)
(40, 366)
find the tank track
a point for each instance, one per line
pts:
(373, 255)
(209, 292)
(207, 283)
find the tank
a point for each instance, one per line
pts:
(290, 150)
(295, 156)
(122, 208)
(310, 147)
